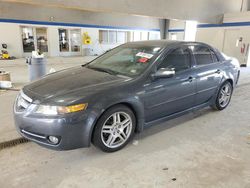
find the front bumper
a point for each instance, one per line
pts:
(73, 130)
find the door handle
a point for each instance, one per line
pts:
(189, 79)
(218, 71)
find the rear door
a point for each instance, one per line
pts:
(208, 73)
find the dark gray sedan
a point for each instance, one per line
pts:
(123, 91)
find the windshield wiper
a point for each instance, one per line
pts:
(103, 70)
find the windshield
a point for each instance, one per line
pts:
(129, 60)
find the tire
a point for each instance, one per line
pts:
(114, 129)
(223, 97)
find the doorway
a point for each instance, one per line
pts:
(34, 39)
(69, 42)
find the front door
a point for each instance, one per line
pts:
(167, 96)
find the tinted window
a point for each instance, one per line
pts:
(178, 60)
(202, 55)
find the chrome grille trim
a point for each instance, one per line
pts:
(25, 97)
(22, 102)
(32, 134)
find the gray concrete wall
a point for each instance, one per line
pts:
(42, 13)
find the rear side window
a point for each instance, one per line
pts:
(214, 56)
(203, 55)
(178, 59)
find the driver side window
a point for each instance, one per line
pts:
(178, 59)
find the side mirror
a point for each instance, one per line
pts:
(164, 73)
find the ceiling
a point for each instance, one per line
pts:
(207, 11)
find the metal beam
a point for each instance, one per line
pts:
(164, 27)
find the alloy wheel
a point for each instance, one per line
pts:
(225, 95)
(116, 129)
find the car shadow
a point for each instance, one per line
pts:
(155, 129)
(149, 131)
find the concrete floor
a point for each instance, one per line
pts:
(201, 149)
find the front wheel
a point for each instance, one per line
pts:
(114, 129)
(224, 96)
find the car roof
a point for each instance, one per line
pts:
(171, 43)
(163, 43)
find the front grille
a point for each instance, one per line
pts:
(22, 102)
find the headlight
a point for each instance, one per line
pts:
(55, 110)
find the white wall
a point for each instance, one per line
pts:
(21, 11)
(10, 32)
(176, 25)
(53, 42)
(225, 38)
(11, 35)
(231, 37)
(212, 36)
(95, 48)
(222, 36)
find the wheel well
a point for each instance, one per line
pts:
(238, 76)
(122, 103)
(134, 111)
(230, 81)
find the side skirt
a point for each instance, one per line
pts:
(175, 115)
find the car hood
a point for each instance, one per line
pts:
(75, 80)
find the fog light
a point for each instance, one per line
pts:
(53, 139)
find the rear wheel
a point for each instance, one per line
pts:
(224, 96)
(114, 129)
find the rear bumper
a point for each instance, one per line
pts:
(73, 130)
